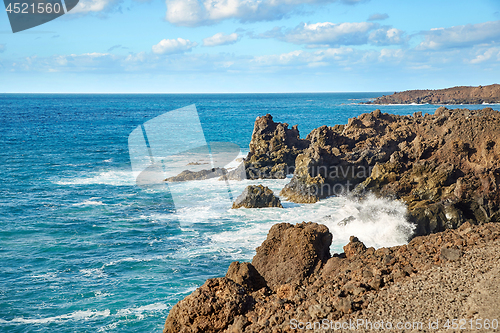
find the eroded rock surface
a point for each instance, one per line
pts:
(273, 149)
(188, 175)
(291, 253)
(445, 166)
(257, 196)
(432, 275)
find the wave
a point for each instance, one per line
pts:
(90, 202)
(112, 177)
(77, 315)
(377, 222)
(137, 312)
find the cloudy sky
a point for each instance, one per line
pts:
(255, 46)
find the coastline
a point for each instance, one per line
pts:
(294, 277)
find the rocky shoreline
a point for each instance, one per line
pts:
(456, 95)
(293, 279)
(445, 167)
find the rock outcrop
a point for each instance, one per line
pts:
(445, 167)
(257, 196)
(291, 253)
(188, 175)
(273, 149)
(355, 284)
(455, 95)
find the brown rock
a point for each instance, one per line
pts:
(211, 308)
(246, 275)
(455, 95)
(257, 196)
(292, 252)
(354, 248)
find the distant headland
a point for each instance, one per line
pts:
(456, 95)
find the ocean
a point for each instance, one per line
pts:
(84, 249)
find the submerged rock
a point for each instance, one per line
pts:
(188, 175)
(257, 196)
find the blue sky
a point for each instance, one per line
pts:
(172, 46)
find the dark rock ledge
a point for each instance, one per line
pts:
(293, 276)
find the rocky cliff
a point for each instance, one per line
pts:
(293, 279)
(445, 166)
(455, 95)
(273, 150)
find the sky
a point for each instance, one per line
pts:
(228, 46)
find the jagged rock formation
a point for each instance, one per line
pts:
(273, 150)
(257, 196)
(188, 175)
(350, 285)
(455, 95)
(445, 166)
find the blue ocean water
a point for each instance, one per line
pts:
(85, 250)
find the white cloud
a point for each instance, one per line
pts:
(305, 58)
(221, 39)
(378, 17)
(171, 46)
(391, 55)
(461, 36)
(87, 6)
(327, 34)
(2, 48)
(387, 36)
(492, 53)
(205, 12)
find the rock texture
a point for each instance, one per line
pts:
(273, 149)
(292, 252)
(445, 166)
(188, 175)
(257, 196)
(455, 95)
(452, 274)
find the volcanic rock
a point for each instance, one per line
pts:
(211, 308)
(292, 252)
(188, 175)
(455, 95)
(452, 273)
(257, 196)
(445, 167)
(273, 149)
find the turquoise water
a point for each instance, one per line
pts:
(84, 249)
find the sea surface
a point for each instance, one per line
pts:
(84, 249)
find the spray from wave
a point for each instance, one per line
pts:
(378, 222)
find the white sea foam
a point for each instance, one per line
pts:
(111, 177)
(90, 202)
(93, 272)
(139, 311)
(77, 315)
(377, 222)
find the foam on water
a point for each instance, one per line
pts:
(111, 177)
(77, 315)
